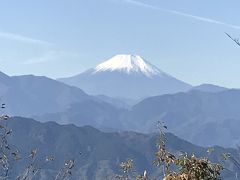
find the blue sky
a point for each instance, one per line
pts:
(59, 38)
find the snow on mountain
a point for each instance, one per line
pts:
(128, 64)
(126, 76)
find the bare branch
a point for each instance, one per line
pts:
(236, 40)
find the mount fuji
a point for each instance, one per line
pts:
(126, 76)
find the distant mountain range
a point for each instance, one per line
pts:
(90, 112)
(126, 76)
(97, 154)
(209, 88)
(131, 95)
(200, 117)
(203, 111)
(35, 95)
(194, 116)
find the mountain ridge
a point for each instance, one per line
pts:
(193, 116)
(209, 88)
(97, 154)
(28, 95)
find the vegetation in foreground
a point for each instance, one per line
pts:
(180, 167)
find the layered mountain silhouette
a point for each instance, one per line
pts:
(126, 76)
(32, 96)
(205, 111)
(97, 154)
(194, 116)
(200, 117)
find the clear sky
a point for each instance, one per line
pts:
(59, 38)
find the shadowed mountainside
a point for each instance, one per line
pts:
(97, 154)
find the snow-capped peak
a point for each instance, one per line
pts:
(128, 64)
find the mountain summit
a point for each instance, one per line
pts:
(126, 76)
(129, 64)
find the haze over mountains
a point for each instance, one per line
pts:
(209, 88)
(193, 115)
(34, 95)
(77, 103)
(126, 76)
